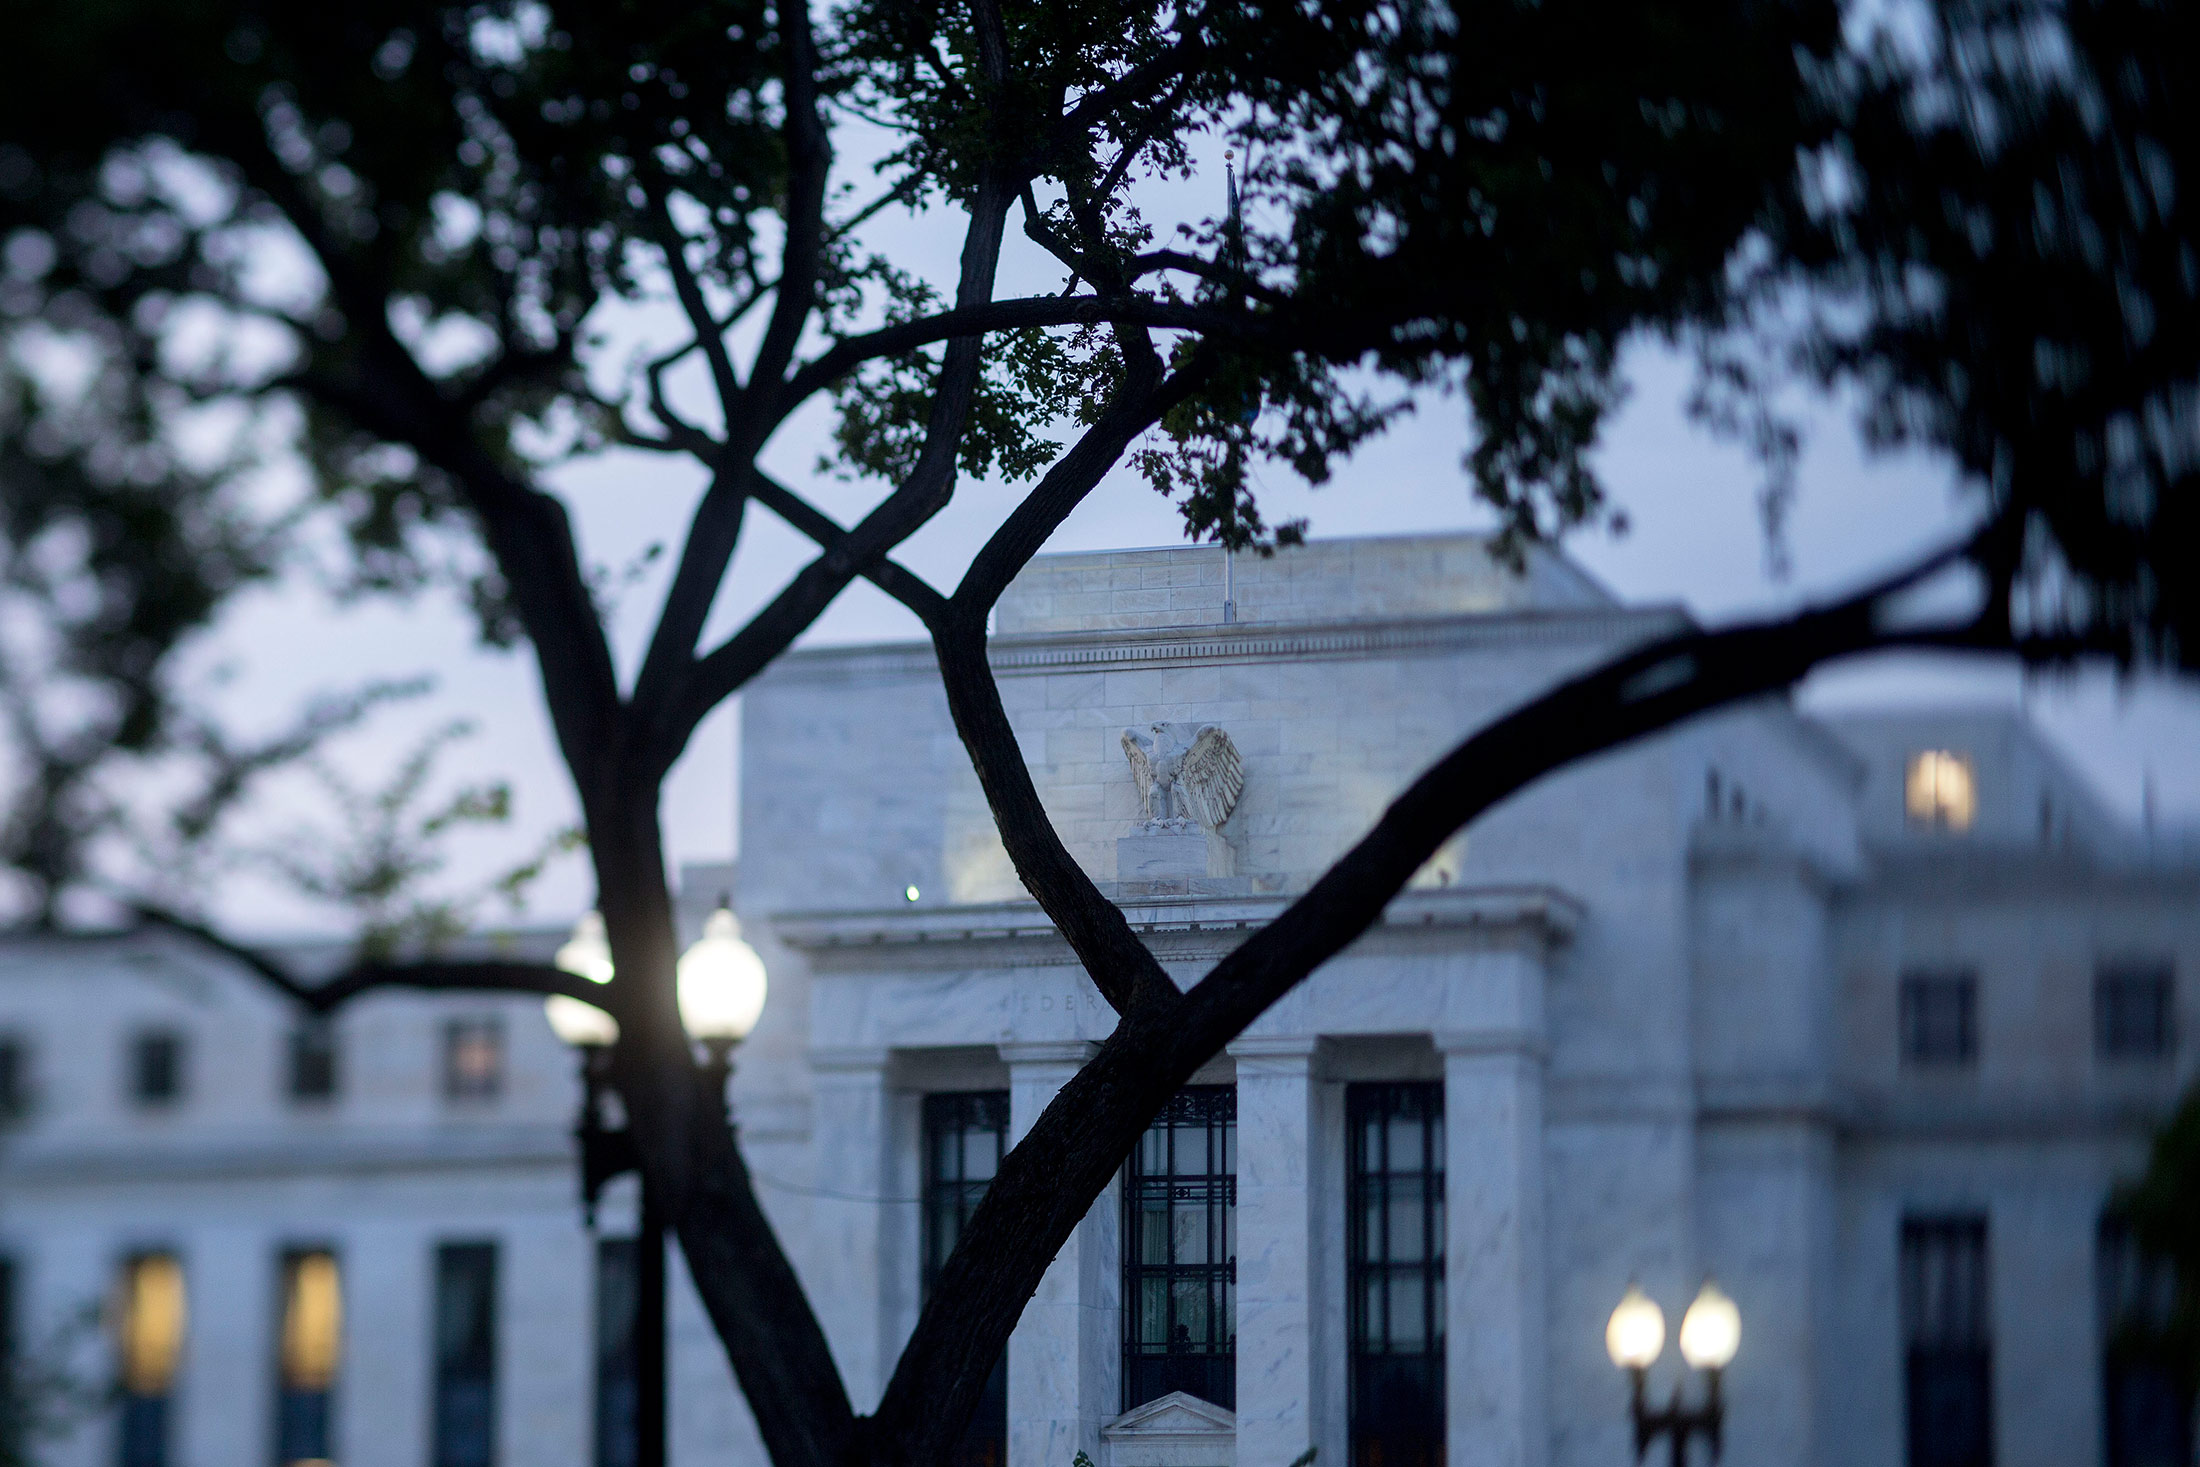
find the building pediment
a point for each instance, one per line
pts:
(1175, 1420)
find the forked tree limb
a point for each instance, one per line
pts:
(1050, 1179)
(1119, 965)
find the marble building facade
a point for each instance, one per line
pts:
(1823, 1007)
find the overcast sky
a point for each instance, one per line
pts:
(1696, 538)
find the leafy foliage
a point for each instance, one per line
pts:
(396, 237)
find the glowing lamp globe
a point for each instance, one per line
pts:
(582, 1025)
(587, 953)
(1635, 1335)
(721, 983)
(1711, 1330)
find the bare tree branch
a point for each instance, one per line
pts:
(890, 576)
(709, 335)
(809, 159)
(1118, 963)
(1048, 1182)
(431, 974)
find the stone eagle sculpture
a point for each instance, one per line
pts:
(1185, 771)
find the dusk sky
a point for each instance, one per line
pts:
(1696, 538)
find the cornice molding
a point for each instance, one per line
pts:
(60, 1163)
(1019, 934)
(1118, 650)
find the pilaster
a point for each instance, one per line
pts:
(1285, 1348)
(853, 1128)
(1496, 1355)
(1063, 1356)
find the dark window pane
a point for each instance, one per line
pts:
(1180, 1258)
(465, 1354)
(15, 1078)
(143, 1431)
(8, 1426)
(2133, 1013)
(1939, 1018)
(966, 1135)
(473, 1059)
(1948, 1331)
(618, 1381)
(1395, 1254)
(156, 1068)
(302, 1427)
(313, 1060)
(2146, 1408)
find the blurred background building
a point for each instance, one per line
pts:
(1864, 1016)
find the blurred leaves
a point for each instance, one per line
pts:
(379, 244)
(380, 861)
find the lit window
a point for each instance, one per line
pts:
(312, 1349)
(473, 1059)
(151, 1317)
(1941, 790)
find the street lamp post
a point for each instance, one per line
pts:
(721, 996)
(1711, 1332)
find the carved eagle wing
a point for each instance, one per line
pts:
(1212, 777)
(1135, 750)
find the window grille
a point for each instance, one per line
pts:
(313, 1060)
(2146, 1409)
(618, 1377)
(1395, 1163)
(473, 1059)
(465, 1355)
(1940, 1018)
(2133, 1014)
(965, 1136)
(1180, 1252)
(156, 1068)
(312, 1336)
(1947, 1332)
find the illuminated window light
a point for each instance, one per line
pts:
(154, 1316)
(1941, 790)
(313, 1322)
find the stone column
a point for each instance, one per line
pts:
(847, 1244)
(1063, 1357)
(1283, 1348)
(1495, 1352)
